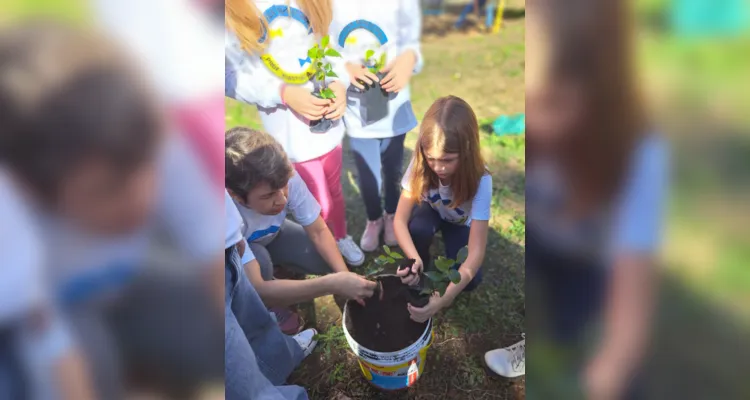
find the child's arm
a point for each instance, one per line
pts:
(324, 242)
(401, 229)
(247, 79)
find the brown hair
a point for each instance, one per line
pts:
(595, 54)
(66, 96)
(451, 126)
(253, 157)
(248, 23)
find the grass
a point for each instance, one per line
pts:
(488, 72)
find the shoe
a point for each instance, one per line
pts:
(289, 321)
(353, 255)
(306, 340)
(390, 235)
(509, 362)
(371, 238)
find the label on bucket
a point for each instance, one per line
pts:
(413, 372)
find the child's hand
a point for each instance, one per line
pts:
(353, 286)
(359, 74)
(413, 278)
(304, 103)
(435, 304)
(398, 72)
(338, 107)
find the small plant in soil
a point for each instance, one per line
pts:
(375, 98)
(322, 69)
(438, 280)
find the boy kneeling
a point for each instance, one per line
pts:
(265, 188)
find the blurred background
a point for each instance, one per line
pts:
(693, 66)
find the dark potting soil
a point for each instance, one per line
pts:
(385, 325)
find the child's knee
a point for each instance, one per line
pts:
(420, 230)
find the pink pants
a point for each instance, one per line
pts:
(203, 123)
(323, 177)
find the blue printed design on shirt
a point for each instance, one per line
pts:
(362, 24)
(96, 282)
(280, 10)
(263, 232)
(434, 199)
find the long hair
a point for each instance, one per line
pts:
(449, 126)
(593, 51)
(248, 23)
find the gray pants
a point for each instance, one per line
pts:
(291, 248)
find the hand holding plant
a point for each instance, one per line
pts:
(360, 75)
(338, 107)
(398, 72)
(422, 314)
(304, 103)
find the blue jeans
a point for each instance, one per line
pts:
(424, 224)
(13, 383)
(258, 357)
(379, 164)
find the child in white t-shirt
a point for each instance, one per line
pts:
(379, 112)
(447, 188)
(267, 190)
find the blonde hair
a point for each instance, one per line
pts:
(450, 125)
(248, 23)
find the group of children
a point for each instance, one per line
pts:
(291, 171)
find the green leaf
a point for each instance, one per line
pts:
(441, 288)
(391, 260)
(443, 264)
(320, 53)
(463, 254)
(434, 276)
(324, 41)
(331, 74)
(369, 54)
(381, 62)
(329, 93)
(328, 67)
(312, 53)
(387, 250)
(319, 64)
(397, 256)
(382, 258)
(454, 276)
(332, 53)
(426, 291)
(320, 76)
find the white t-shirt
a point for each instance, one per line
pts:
(233, 228)
(439, 198)
(288, 39)
(89, 266)
(301, 205)
(389, 27)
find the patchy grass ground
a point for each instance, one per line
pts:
(487, 71)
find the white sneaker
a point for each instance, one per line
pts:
(390, 235)
(371, 238)
(353, 255)
(306, 341)
(509, 362)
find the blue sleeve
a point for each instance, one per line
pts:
(640, 215)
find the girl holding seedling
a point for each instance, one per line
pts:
(380, 43)
(447, 188)
(278, 58)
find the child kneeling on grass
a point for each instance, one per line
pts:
(447, 188)
(265, 187)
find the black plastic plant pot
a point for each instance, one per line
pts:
(322, 125)
(416, 297)
(375, 100)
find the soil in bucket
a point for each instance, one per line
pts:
(384, 323)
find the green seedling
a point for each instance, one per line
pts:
(373, 64)
(444, 274)
(322, 69)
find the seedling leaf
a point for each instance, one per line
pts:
(320, 53)
(331, 74)
(387, 249)
(312, 53)
(443, 264)
(332, 53)
(454, 276)
(391, 260)
(369, 54)
(397, 256)
(324, 41)
(381, 62)
(463, 254)
(434, 276)
(328, 93)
